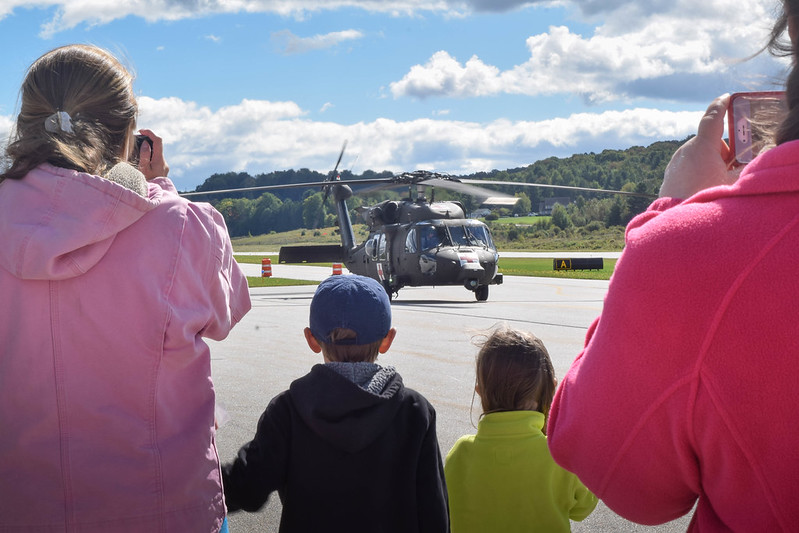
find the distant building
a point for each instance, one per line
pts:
(479, 213)
(546, 205)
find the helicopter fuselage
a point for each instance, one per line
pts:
(411, 242)
(444, 249)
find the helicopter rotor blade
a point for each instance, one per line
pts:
(385, 185)
(569, 187)
(466, 186)
(478, 192)
(432, 180)
(334, 175)
(340, 155)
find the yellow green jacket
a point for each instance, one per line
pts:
(504, 479)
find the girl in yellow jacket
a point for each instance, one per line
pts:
(503, 478)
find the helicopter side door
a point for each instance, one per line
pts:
(406, 254)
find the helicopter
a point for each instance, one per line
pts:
(413, 241)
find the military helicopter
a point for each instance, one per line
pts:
(413, 241)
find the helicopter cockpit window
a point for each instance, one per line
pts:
(381, 247)
(480, 236)
(376, 247)
(431, 236)
(459, 236)
(371, 247)
(470, 236)
(410, 241)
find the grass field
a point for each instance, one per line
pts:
(509, 266)
(523, 266)
(523, 220)
(278, 282)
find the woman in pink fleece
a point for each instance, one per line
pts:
(686, 391)
(108, 282)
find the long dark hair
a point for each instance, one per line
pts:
(788, 130)
(93, 87)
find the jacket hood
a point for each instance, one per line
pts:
(58, 223)
(341, 412)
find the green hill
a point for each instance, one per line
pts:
(588, 215)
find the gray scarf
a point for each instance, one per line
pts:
(371, 377)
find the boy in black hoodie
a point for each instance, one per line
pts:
(347, 446)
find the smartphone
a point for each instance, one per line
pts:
(752, 118)
(140, 139)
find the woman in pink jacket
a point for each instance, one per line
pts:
(686, 391)
(108, 282)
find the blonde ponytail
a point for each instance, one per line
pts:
(89, 86)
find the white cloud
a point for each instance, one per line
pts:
(6, 125)
(444, 76)
(292, 44)
(213, 38)
(638, 50)
(620, 16)
(72, 13)
(261, 136)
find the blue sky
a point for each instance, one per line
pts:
(454, 86)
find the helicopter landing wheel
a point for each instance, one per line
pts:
(389, 290)
(481, 293)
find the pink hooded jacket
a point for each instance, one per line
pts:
(106, 398)
(687, 386)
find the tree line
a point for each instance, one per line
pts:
(638, 169)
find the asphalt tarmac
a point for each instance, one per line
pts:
(432, 351)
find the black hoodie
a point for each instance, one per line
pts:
(344, 459)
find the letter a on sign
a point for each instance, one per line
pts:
(565, 264)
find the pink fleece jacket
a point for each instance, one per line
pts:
(687, 386)
(106, 398)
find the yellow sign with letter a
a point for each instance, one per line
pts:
(563, 264)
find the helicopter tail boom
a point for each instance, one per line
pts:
(312, 253)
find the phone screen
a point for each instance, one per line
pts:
(752, 120)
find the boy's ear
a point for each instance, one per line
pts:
(387, 340)
(313, 344)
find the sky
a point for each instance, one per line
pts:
(457, 86)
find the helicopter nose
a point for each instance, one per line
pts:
(470, 262)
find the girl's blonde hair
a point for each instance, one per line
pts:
(95, 90)
(514, 372)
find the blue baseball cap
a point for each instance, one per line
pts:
(353, 302)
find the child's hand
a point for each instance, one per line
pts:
(221, 416)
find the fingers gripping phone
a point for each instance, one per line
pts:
(752, 118)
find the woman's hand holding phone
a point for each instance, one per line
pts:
(705, 160)
(151, 160)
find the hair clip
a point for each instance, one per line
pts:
(58, 121)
